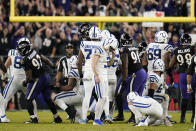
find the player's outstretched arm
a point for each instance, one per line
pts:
(47, 61)
(80, 60)
(70, 86)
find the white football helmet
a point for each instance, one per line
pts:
(161, 37)
(131, 96)
(158, 65)
(111, 42)
(95, 33)
(105, 34)
(74, 61)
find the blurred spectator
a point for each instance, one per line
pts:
(61, 44)
(4, 40)
(175, 41)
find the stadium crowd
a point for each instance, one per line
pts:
(51, 39)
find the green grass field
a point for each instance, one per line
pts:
(45, 118)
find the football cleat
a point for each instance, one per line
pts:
(97, 122)
(4, 119)
(167, 122)
(173, 122)
(118, 118)
(131, 120)
(143, 123)
(57, 120)
(182, 120)
(108, 119)
(91, 116)
(32, 120)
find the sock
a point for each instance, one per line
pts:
(61, 104)
(193, 105)
(111, 108)
(85, 106)
(35, 107)
(119, 102)
(165, 105)
(151, 92)
(55, 115)
(92, 106)
(33, 116)
(99, 108)
(106, 107)
(30, 108)
(184, 107)
(51, 106)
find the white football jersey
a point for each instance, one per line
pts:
(16, 67)
(101, 65)
(159, 81)
(156, 51)
(86, 48)
(74, 74)
(112, 69)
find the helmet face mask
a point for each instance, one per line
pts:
(185, 39)
(24, 46)
(126, 40)
(84, 30)
(161, 37)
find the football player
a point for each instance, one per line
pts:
(191, 72)
(17, 76)
(182, 56)
(144, 105)
(37, 79)
(133, 75)
(85, 54)
(156, 83)
(99, 68)
(72, 93)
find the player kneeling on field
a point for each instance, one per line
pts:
(146, 105)
(71, 94)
